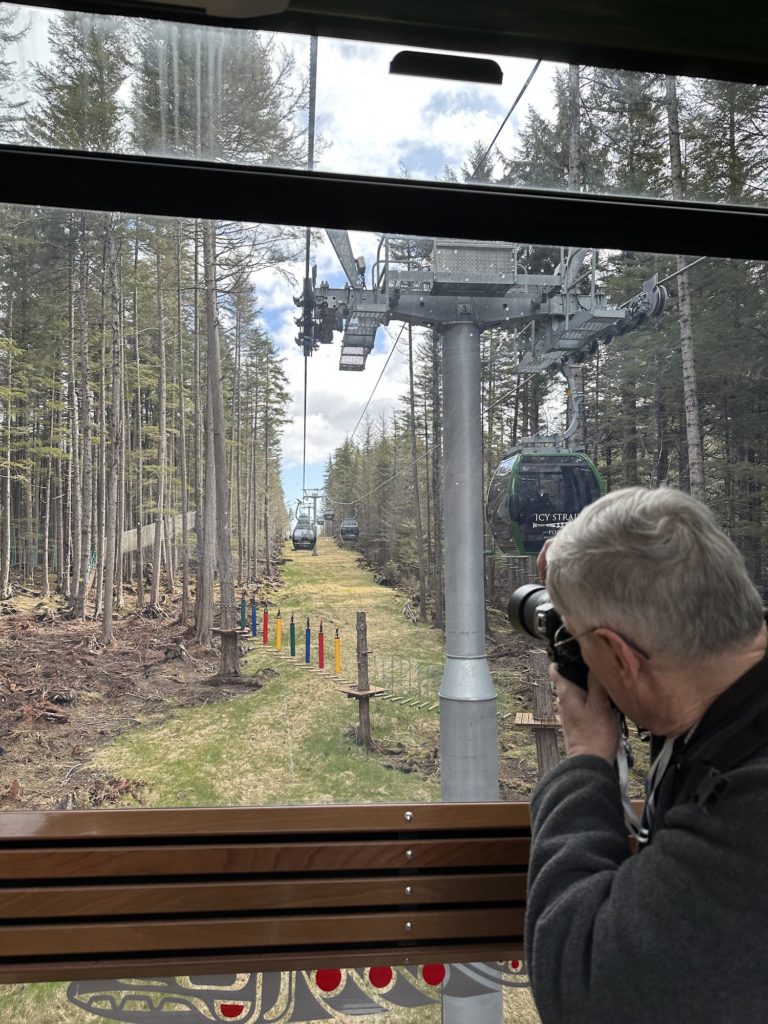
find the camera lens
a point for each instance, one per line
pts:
(523, 606)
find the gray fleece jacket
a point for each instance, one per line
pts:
(675, 934)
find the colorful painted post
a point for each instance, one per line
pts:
(307, 641)
(320, 647)
(337, 653)
(243, 603)
(292, 632)
(279, 631)
(254, 623)
(265, 626)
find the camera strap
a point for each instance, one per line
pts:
(631, 819)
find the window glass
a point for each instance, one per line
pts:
(93, 82)
(105, 313)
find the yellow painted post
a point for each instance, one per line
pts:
(337, 653)
(279, 632)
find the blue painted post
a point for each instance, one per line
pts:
(254, 623)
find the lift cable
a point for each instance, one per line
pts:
(665, 279)
(386, 364)
(511, 110)
(508, 394)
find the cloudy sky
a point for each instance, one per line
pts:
(374, 123)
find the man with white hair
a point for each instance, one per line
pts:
(672, 630)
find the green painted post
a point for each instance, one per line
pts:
(293, 637)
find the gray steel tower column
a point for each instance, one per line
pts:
(469, 759)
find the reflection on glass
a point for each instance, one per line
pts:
(126, 85)
(407, 994)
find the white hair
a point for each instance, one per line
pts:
(654, 565)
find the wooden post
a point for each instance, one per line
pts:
(363, 737)
(547, 753)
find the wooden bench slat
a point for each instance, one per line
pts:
(261, 858)
(90, 969)
(222, 821)
(113, 900)
(253, 933)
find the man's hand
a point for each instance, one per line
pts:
(541, 561)
(590, 723)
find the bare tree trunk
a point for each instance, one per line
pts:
(416, 495)
(154, 594)
(237, 410)
(183, 447)
(198, 442)
(102, 450)
(690, 390)
(437, 502)
(267, 441)
(74, 432)
(84, 569)
(121, 398)
(139, 440)
(47, 520)
(116, 433)
(216, 400)
(5, 561)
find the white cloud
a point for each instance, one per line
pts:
(369, 121)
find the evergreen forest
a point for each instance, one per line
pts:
(142, 398)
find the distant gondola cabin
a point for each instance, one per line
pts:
(349, 531)
(534, 493)
(304, 534)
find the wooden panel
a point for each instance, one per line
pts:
(253, 933)
(223, 821)
(90, 969)
(197, 897)
(126, 861)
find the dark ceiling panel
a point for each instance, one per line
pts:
(692, 37)
(222, 192)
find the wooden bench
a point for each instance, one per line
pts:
(143, 893)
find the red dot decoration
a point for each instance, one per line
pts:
(516, 965)
(230, 1010)
(380, 977)
(433, 974)
(328, 979)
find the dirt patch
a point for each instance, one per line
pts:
(63, 696)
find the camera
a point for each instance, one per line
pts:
(530, 610)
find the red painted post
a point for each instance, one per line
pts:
(320, 647)
(265, 626)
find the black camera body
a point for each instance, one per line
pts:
(531, 612)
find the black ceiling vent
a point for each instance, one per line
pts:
(446, 65)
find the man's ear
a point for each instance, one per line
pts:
(628, 661)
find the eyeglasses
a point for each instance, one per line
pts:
(575, 640)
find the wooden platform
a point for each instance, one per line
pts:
(526, 718)
(352, 691)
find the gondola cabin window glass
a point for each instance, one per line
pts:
(111, 84)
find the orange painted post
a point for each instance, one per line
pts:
(279, 632)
